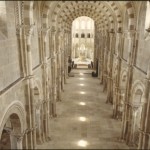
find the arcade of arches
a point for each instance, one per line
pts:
(36, 38)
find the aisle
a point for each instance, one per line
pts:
(84, 119)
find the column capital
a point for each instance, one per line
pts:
(19, 136)
(29, 77)
(53, 29)
(131, 34)
(28, 31)
(119, 34)
(119, 30)
(45, 32)
(28, 28)
(135, 107)
(112, 31)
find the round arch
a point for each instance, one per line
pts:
(14, 108)
(13, 124)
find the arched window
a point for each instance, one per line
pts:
(88, 35)
(88, 25)
(76, 35)
(77, 25)
(82, 35)
(82, 25)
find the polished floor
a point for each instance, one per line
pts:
(84, 119)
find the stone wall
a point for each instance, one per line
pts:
(143, 51)
(9, 53)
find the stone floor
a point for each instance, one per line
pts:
(84, 119)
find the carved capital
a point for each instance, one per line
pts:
(131, 34)
(53, 30)
(28, 31)
(45, 32)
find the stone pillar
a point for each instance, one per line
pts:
(54, 73)
(30, 104)
(62, 61)
(19, 142)
(69, 43)
(59, 69)
(126, 123)
(143, 134)
(50, 66)
(144, 140)
(66, 56)
(62, 70)
(101, 58)
(46, 101)
(110, 66)
(133, 123)
(16, 139)
(105, 60)
(117, 90)
(13, 142)
(20, 42)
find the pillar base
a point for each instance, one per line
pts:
(121, 140)
(55, 115)
(50, 116)
(39, 141)
(59, 100)
(48, 139)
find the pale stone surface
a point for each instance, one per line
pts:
(99, 130)
(35, 41)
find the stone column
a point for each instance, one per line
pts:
(131, 141)
(105, 60)
(95, 49)
(110, 66)
(126, 124)
(66, 56)
(46, 89)
(59, 76)
(16, 142)
(117, 89)
(54, 73)
(50, 63)
(30, 106)
(101, 58)
(20, 42)
(144, 140)
(62, 60)
(59, 69)
(69, 43)
(16, 139)
(144, 116)
(19, 142)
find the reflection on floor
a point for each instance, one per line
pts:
(84, 119)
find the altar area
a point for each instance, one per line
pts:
(82, 63)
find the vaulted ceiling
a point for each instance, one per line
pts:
(107, 15)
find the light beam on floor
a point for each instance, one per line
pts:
(81, 74)
(82, 92)
(81, 78)
(82, 118)
(82, 143)
(81, 84)
(82, 103)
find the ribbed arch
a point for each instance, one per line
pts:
(87, 10)
(104, 13)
